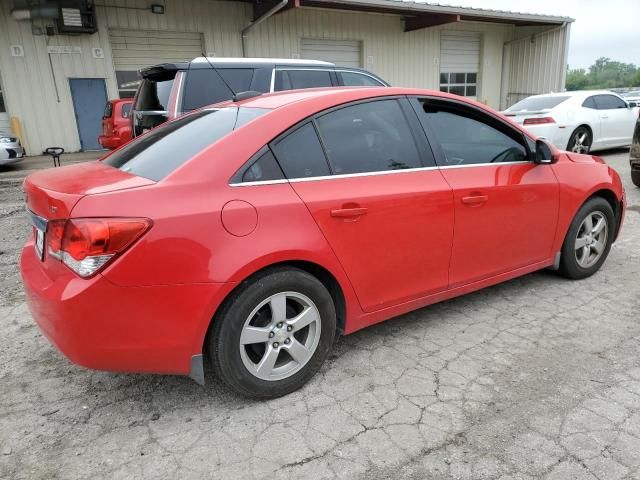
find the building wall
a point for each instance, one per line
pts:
(45, 108)
(537, 63)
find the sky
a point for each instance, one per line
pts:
(602, 28)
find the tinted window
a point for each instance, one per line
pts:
(589, 103)
(532, 104)
(204, 87)
(126, 109)
(368, 137)
(466, 140)
(295, 79)
(154, 95)
(300, 154)
(353, 79)
(108, 110)
(263, 169)
(609, 102)
(165, 148)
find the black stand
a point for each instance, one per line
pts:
(55, 153)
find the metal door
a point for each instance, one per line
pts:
(89, 98)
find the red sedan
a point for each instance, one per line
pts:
(254, 231)
(116, 128)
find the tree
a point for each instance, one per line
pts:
(604, 73)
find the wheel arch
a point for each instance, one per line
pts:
(322, 273)
(613, 200)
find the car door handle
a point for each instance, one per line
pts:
(348, 212)
(604, 117)
(474, 200)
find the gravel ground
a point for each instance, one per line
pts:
(536, 378)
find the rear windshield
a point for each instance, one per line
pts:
(154, 95)
(532, 104)
(162, 150)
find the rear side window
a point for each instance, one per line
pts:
(300, 154)
(126, 110)
(108, 110)
(609, 102)
(368, 137)
(533, 104)
(590, 103)
(354, 79)
(205, 87)
(263, 169)
(165, 148)
(154, 95)
(295, 79)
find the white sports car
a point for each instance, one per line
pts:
(580, 121)
(10, 149)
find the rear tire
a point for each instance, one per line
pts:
(258, 345)
(588, 241)
(635, 177)
(580, 141)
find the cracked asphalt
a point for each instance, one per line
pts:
(538, 377)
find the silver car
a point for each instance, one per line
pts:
(10, 150)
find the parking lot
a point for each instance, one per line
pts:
(538, 377)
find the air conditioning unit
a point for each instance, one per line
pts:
(77, 16)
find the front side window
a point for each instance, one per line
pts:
(466, 139)
(295, 79)
(355, 79)
(609, 102)
(167, 147)
(368, 137)
(464, 84)
(300, 154)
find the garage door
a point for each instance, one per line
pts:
(133, 50)
(459, 62)
(344, 53)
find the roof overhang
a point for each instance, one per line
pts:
(419, 15)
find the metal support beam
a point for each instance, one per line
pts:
(261, 8)
(429, 20)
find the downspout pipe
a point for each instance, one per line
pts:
(245, 31)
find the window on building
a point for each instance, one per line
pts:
(463, 84)
(368, 137)
(128, 82)
(300, 154)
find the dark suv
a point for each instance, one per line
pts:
(634, 155)
(171, 89)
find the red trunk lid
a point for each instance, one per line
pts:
(53, 193)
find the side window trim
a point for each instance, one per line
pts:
(438, 152)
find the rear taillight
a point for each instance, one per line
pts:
(86, 245)
(538, 120)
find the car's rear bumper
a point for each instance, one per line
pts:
(111, 142)
(99, 325)
(11, 154)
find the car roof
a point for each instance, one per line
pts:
(575, 93)
(259, 61)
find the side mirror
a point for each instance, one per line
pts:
(633, 104)
(544, 153)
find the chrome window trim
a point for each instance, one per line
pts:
(368, 174)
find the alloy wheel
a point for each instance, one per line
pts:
(280, 336)
(591, 239)
(581, 142)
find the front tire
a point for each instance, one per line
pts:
(588, 240)
(272, 335)
(580, 141)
